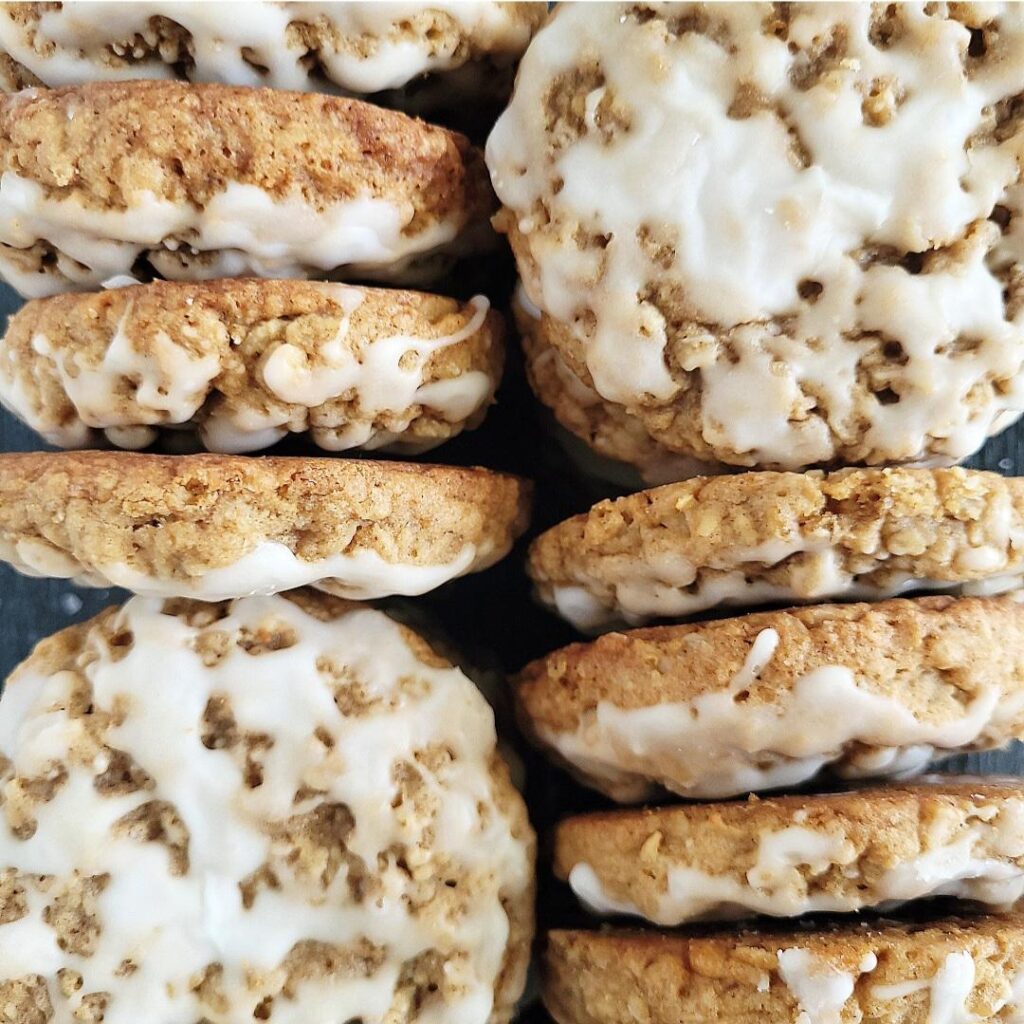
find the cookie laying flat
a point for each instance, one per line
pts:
(950, 970)
(756, 538)
(722, 217)
(243, 363)
(468, 50)
(716, 709)
(220, 526)
(198, 181)
(795, 855)
(266, 806)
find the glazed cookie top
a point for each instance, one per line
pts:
(247, 361)
(255, 810)
(788, 856)
(714, 709)
(769, 537)
(219, 526)
(817, 206)
(946, 970)
(357, 47)
(293, 184)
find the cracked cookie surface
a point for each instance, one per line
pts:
(251, 810)
(221, 526)
(243, 363)
(776, 236)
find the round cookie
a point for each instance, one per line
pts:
(777, 237)
(218, 526)
(755, 538)
(949, 970)
(715, 709)
(466, 50)
(246, 362)
(198, 181)
(794, 855)
(253, 810)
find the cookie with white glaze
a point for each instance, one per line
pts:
(245, 362)
(786, 856)
(188, 182)
(213, 811)
(213, 527)
(758, 538)
(776, 237)
(717, 709)
(418, 56)
(952, 969)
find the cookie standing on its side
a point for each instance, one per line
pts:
(717, 709)
(275, 807)
(197, 181)
(887, 973)
(214, 527)
(243, 363)
(754, 538)
(423, 57)
(792, 855)
(773, 236)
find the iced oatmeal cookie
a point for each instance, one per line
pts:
(775, 236)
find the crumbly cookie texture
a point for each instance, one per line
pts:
(794, 855)
(255, 810)
(221, 526)
(199, 181)
(778, 237)
(358, 48)
(754, 538)
(765, 701)
(946, 970)
(245, 362)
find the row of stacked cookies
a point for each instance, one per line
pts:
(781, 238)
(231, 799)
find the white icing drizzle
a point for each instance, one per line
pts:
(982, 862)
(720, 745)
(745, 225)
(269, 568)
(385, 57)
(313, 754)
(669, 585)
(264, 236)
(170, 386)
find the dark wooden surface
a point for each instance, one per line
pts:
(489, 616)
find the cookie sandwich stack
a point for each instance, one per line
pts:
(246, 794)
(778, 246)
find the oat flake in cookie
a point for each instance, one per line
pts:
(275, 809)
(777, 236)
(187, 182)
(243, 363)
